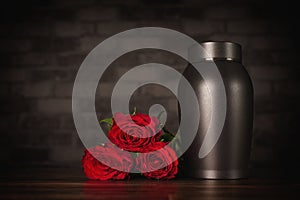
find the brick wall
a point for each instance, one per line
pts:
(44, 42)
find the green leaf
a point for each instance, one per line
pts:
(175, 145)
(166, 137)
(166, 131)
(108, 121)
(134, 111)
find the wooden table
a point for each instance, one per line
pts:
(71, 184)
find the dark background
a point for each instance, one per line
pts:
(42, 44)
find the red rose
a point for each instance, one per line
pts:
(142, 129)
(156, 160)
(110, 157)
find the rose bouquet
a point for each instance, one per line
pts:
(136, 151)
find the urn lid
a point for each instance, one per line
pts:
(216, 50)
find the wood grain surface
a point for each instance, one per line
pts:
(71, 184)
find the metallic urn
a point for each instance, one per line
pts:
(229, 157)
